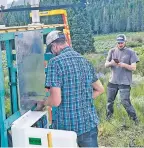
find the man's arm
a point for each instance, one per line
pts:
(55, 97)
(111, 63)
(133, 60)
(131, 67)
(108, 64)
(98, 89)
(53, 100)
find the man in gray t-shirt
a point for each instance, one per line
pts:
(122, 61)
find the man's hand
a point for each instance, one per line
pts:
(113, 63)
(123, 65)
(98, 89)
(40, 105)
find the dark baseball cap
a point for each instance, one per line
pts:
(121, 38)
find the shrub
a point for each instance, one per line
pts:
(134, 44)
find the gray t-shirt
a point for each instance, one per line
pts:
(121, 75)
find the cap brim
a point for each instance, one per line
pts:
(120, 41)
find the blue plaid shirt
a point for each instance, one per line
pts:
(74, 75)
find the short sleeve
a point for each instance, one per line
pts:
(109, 57)
(53, 76)
(134, 58)
(94, 74)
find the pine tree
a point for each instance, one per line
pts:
(81, 32)
(102, 16)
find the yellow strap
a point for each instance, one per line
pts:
(49, 138)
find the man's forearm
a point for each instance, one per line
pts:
(97, 89)
(55, 97)
(129, 67)
(96, 93)
(108, 64)
(49, 102)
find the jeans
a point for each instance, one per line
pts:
(124, 91)
(88, 139)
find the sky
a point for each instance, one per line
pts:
(9, 1)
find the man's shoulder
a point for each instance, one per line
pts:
(62, 57)
(53, 60)
(58, 57)
(129, 50)
(112, 50)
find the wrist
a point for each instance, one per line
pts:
(111, 63)
(125, 65)
(45, 103)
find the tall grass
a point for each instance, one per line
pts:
(120, 131)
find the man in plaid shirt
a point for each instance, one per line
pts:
(73, 86)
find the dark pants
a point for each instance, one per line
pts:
(124, 91)
(88, 139)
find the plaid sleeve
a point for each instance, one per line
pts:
(53, 76)
(94, 74)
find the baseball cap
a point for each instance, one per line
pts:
(53, 35)
(121, 38)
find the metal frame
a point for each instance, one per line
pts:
(62, 12)
(7, 37)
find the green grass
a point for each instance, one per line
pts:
(120, 131)
(105, 42)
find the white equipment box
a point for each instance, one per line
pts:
(25, 134)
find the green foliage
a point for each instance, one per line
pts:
(80, 27)
(140, 51)
(108, 16)
(81, 33)
(6, 84)
(134, 44)
(8, 107)
(99, 17)
(121, 131)
(17, 18)
(6, 78)
(104, 16)
(98, 60)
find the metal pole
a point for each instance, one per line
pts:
(35, 13)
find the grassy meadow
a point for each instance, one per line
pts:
(120, 131)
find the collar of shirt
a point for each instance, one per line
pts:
(121, 48)
(66, 49)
